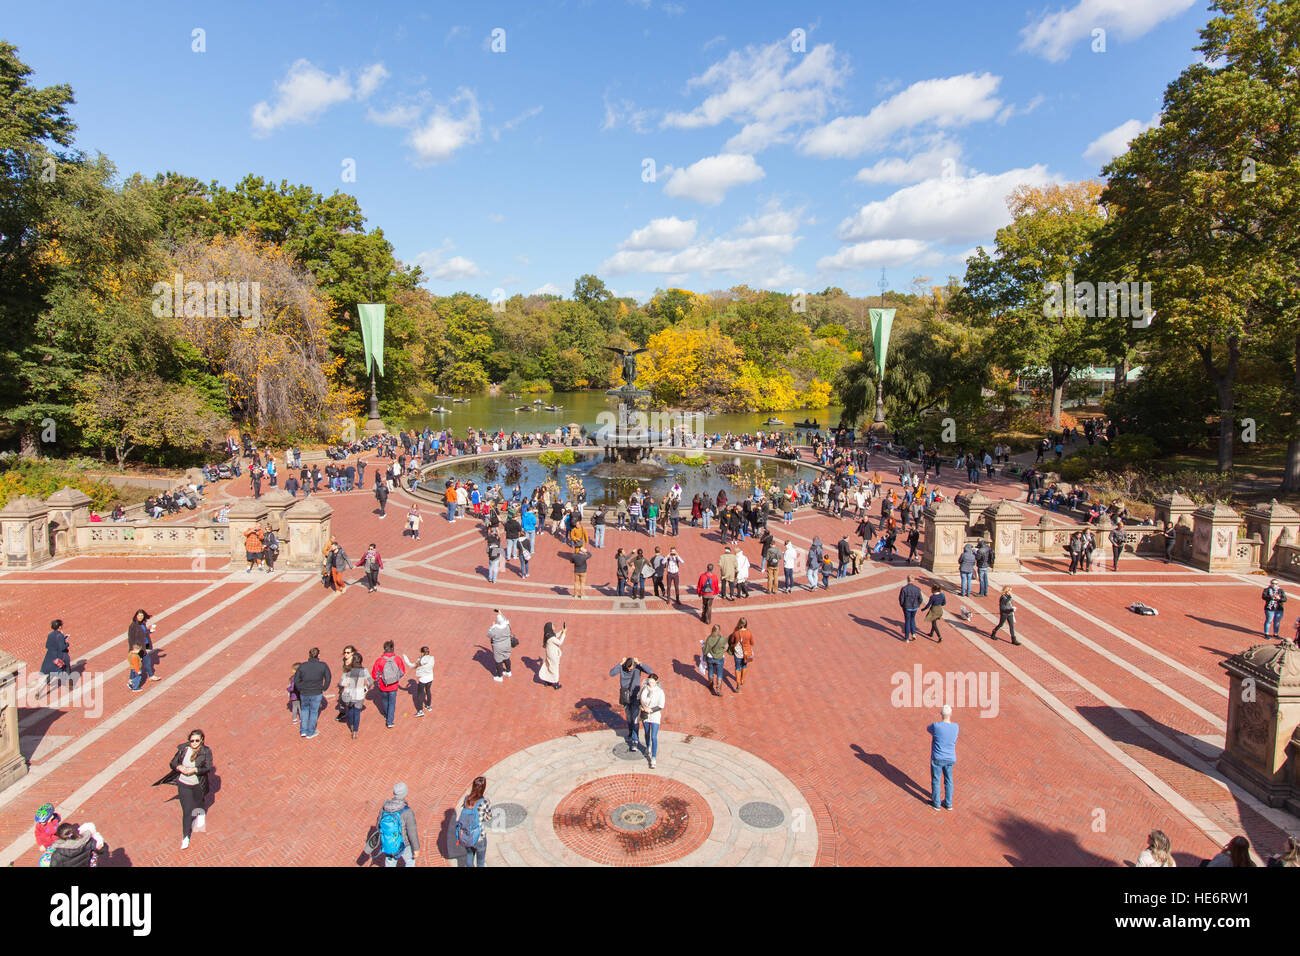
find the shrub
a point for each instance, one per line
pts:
(553, 459)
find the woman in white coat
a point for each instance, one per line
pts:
(552, 648)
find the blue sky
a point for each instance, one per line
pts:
(885, 136)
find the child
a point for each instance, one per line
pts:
(134, 661)
(424, 681)
(47, 829)
(295, 703)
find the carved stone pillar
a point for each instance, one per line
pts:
(945, 535)
(24, 523)
(1214, 537)
(1003, 522)
(13, 766)
(1263, 715)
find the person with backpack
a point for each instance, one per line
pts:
(270, 549)
(713, 650)
(398, 836)
(493, 557)
(472, 816)
(629, 672)
(354, 686)
(387, 673)
(552, 649)
(335, 561)
(311, 680)
(373, 562)
(707, 588)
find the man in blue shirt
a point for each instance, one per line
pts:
(943, 755)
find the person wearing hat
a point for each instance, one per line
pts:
(943, 756)
(396, 829)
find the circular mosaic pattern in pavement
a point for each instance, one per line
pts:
(707, 804)
(633, 819)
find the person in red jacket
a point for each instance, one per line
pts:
(707, 588)
(387, 661)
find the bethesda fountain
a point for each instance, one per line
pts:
(629, 442)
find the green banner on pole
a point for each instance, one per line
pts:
(372, 334)
(882, 320)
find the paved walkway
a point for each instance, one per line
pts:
(1100, 727)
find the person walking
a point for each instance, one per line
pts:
(140, 632)
(388, 672)
(741, 645)
(552, 649)
(707, 588)
(1075, 549)
(943, 757)
(742, 574)
(381, 495)
(354, 686)
(398, 836)
(934, 611)
(1116, 545)
(966, 564)
(1274, 603)
(335, 561)
(311, 680)
(270, 549)
(1006, 615)
(503, 642)
(629, 672)
(373, 562)
(423, 680)
(652, 707)
(910, 600)
(472, 817)
(713, 652)
(580, 558)
(190, 770)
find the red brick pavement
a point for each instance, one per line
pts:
(819, 703)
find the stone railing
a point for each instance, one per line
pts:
(1286, 560)
(209, 538)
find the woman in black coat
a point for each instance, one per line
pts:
(58, 656)
(141, 632)
(192, 766)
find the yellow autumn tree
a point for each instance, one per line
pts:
(262, 325)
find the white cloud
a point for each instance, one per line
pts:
(746, 251)
(370, 79)
(661, 235)
(948, 211)
(549, 288)
(1011, 109)
(435, 264)
(512, 123)
(876, 253)
(307, 91)
(929, 164)
(944, 103)
(1110, 144)
(708, 180)
(399, 115)
(783, 276)
(625, 113)
(1051, 35)
(443, 132)
(714, 42)
(771, 221)
(769, 89)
